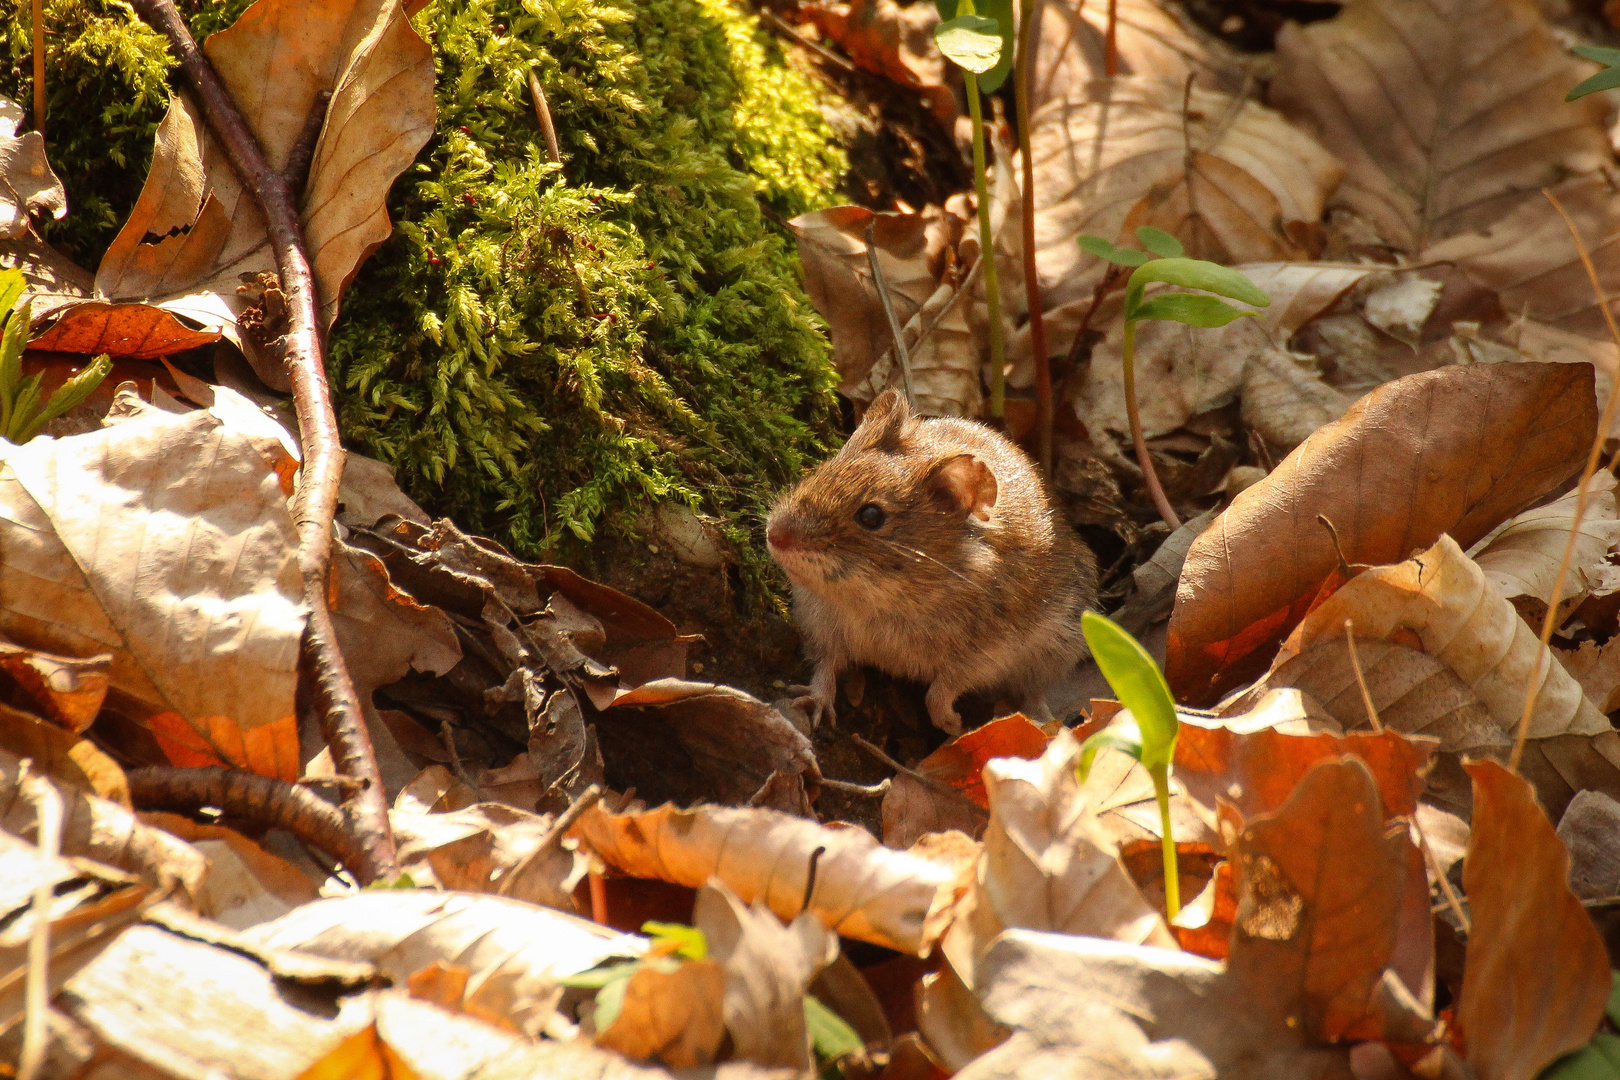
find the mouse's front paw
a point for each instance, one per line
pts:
(817, 706)
(942, 709)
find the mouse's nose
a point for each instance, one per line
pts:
(779, 534)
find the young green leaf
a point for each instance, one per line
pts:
(1126, 736)
(1138, 684)
(12, 284)
(598, 977)
(12, 342)
(1607, 79)
(1160, 242)
(830, 1034)
(1198, 274)
(1001, 13)
(1194, 309)
(24, 408)
(973, 42)
(689, 942)
(1096, 245)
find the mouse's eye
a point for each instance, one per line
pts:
(871, 516)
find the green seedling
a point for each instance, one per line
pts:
(1607, 79)
(1150, 735)
(982, 47)
(21, 412)
(1164, 261)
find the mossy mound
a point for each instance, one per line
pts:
(543, 353)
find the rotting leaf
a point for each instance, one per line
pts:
(862, 889)
(1536, 979)
(1457, 451)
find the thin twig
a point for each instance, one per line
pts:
(1549, 621)
(1446, 890)
(296, 171)
(776, 24)
(554, 836)
(447, 734)
(39, 67)
(263, 800)
(542, 113)
(900, 353)
(931, 782)
(1361, 679)
(1028, 47)
(315, 504)
(36, 1004)
(1111, 41)
(849, 787)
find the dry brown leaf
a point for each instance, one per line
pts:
(1597, 668)
(275, 61)
(887, 39)
(768, 968)
(1084, 1006)
(1457, 451)
(246, 885)
(135, 330)
(68, 690)
(1522, 557)
(1109, 163)
(1539, 341)
(1182, 371)
(1285, 399)
(435, 790)
(28, 186)
(165, 540)
(515, 952)
(582, 1059)
(1437, 132)
(863, 890)
(912, 808)
(1587, 829)
(1537, 975)
(1320, 882)
(61, 755)
(1048, 863)
(1152, 39)
(1441, 602)
(95, 828)
(1412, 692)
(476, 849)
(673, 1014)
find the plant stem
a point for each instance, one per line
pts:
(39, 67)
(1024, 79)
(1172, 876)
(987, 254)
(1137, 438)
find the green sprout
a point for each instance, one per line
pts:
(21, 412)
(1163, 261)
(982, 47)
(1607, 79)
(1149, 736)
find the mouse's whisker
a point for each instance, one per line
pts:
(924, 555)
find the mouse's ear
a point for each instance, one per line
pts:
(881, 426)
(966, 484)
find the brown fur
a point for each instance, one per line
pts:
(972, 582)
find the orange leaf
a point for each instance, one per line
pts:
(135, 330)
(1536, 978)
(269, 749)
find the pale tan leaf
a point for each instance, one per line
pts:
(275, 61)
(1107, 163)
(515, 952)
(477, 849)
(1152, 38)
(1441, 601)
(863, 890)
(164, 540)
(246, 885)
(1457, 450)
(1597, 668)
(28, 186)
(582, 1059)
(768, 968)
(1082, 1006)
(435, 790)
(1587, 829)
(1521, 558)
(1437, 132)
(1537, 976)
(1285, 400)
(1048, 864)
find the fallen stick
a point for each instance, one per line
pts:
(336, 702)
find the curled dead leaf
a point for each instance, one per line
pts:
(28, 185)
(1457, 451)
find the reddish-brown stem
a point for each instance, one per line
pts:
(1111, 41)
(1028, 45)
(1133, 416)
(262, 800)
(336, 702)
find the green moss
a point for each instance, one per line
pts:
(542, 353)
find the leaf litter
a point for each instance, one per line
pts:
(1355, 625)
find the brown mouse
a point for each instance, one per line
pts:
(929, 548)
